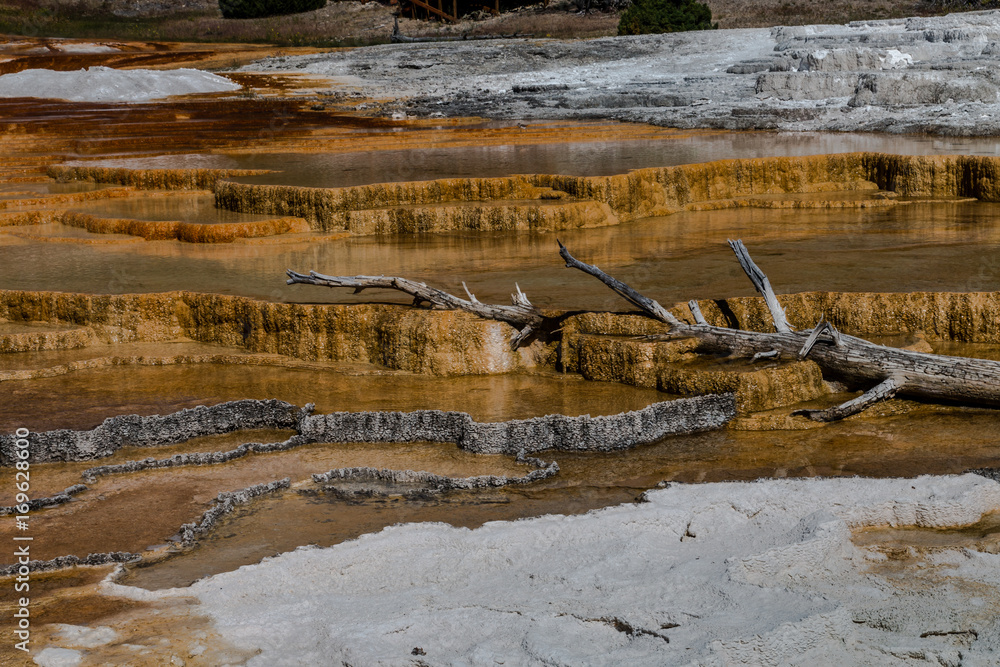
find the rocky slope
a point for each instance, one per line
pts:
(936, 75)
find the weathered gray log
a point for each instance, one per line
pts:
(520, 314)
(889, 371)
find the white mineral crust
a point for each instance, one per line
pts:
(709, 574)
(104, 84)
(938, 74)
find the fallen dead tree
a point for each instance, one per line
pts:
(886, 371)
(520, 314)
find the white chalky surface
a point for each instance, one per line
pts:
(58, 657)
(711, 574)
(82, 47)
(104, 84)
(937, 74)
(83, 636)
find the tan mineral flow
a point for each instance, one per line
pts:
(940, 316)
(850, 180)
(191, 232)
(149, 179)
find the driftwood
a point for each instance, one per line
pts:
(887, 371)
(520, 314)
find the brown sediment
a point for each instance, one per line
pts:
(105, 358)
(64, 199)
(971, 317)
(130, 523)
(544, 202)
(502, 216)
(638, 194)
(29, 218)
(61, 234)
(191, 232)
(83, 400)
(369, 332)
(41, 53)
(41, 337)
(673, 367)
(431, 342)
(552, 432)
(149, 179)
(936, 176)
(51, 130)
(876, 199)
(145, 631)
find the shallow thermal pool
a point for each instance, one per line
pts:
(322, 169)
(82, 399)
(909, 247)
(943, 246)
(903, 446)
(199, 208)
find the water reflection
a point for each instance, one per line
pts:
(187, 208)
(81, 400)
(926, 442)
(911, 247)
(606, 158)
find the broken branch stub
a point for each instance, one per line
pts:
(762, 285)
(520, 314)
(887, 371)
(625, 291)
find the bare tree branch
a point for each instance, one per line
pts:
(696, 312)
(521, 314)
(632, 296)
(883, 391)
(762, 285)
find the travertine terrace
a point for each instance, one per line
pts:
(192, 413)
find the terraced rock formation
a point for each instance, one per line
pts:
(934, 74)
(546, 202)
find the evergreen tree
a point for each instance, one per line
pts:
(646, 17)
(251, 9)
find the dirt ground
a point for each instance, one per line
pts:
(352, 23)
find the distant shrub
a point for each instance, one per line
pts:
(647, 17)
(252, 9)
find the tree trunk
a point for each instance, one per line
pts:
(889, 371)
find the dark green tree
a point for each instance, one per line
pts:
(251, 9)
(647, 17)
